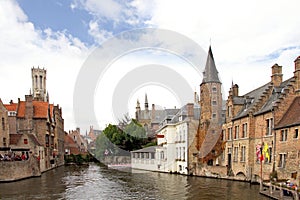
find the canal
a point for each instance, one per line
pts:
(99, 182)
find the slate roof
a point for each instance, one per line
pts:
(210, 73)
(146, 150)
(159, 114)
(291, 117)
(250, 99)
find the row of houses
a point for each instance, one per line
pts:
(34, 127)
(249, 137)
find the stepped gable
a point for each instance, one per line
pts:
(277, 93)
(291, 117)
(254, 98)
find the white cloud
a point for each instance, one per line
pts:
(240, 31)
(23, 46)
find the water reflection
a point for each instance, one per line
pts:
(99, 182)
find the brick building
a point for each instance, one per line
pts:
(208, 143)
(4, 127)
(254, 148)
(151, 118)
(36, 116)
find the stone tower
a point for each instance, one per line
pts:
(39, 84)
(211, 108)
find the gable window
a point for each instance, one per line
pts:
(25, 141)
(229, 111)
(283, 135)
(296, 134)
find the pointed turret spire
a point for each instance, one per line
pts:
(146, 102)
(210, 73)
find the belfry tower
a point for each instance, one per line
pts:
(39, 84)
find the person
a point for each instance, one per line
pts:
(23, 157)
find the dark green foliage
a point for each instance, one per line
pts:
(113, 140)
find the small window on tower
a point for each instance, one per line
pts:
(214, 89)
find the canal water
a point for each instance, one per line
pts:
(99, 182)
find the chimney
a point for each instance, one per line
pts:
(235, 90)
(276, 77)
(297, 75)
(190, 110)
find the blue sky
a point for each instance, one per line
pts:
(59, 16)
(247, 38)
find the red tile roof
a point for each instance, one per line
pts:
(291, 117)
(11, 106)
(40, 109)
(21, 109)
(71, 145)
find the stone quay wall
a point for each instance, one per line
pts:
(17, 170)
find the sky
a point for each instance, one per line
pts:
(62, 36)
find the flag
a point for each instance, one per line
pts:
(266, 151)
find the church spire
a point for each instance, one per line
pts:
(146, 102)
(210, 73)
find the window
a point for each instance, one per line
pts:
(223, 135)
(41, 82)
(296, 133)
(245, 127)
(36, 81)
(25, 141)
(243, 154)
(235, 154)
(3, 124)
(214, 115)
(229, 111)
(283, 135)
(229, 133)
(282, 160)
(183, 153)
(269, 125)
(4, 142)
(214, 103)
(214, 89)
(236, 133)
(229, 150)
(162, 156)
